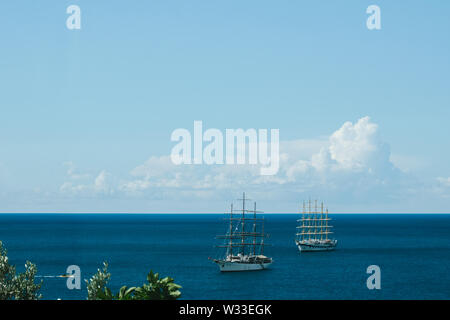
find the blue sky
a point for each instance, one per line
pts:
(85, 114)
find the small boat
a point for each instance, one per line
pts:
(244, 241)
(314, 230)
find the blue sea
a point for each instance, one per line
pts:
(413, 252)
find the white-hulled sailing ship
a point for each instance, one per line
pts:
(313, 230)
(244, 241)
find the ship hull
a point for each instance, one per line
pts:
(228, 266)
(309, 247)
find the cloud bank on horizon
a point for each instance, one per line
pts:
(351, 169)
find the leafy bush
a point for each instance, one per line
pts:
(158, 289)
(17, 286)
(97, 284)
(155, 289)
(22, 286)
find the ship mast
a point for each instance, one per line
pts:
(314, 222)
(262, 238)
(309, 218)
(237, 235)
(254, 230)
(303, 221)
(321, 221)
(315, 219)
(243, 224)
(231, 232)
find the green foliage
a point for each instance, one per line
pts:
(158, 289)
(17, 286)
(7, 275)
(155, 289)
(96, 286)
(26, 289)
(123, 294)
(22, 286)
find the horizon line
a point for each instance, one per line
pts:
(219, 213)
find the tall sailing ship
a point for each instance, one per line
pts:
(244, 241)
(313, 229)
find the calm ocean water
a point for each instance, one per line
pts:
(413, 252)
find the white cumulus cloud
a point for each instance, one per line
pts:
(352, 165)
(86, 185)
(352, 162)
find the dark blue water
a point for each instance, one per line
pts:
(413, 252)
